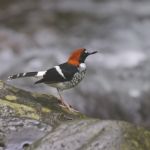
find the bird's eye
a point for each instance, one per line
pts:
(85, 51)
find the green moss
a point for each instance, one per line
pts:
(21, 110)
(21, 103)
(136, 138)
(45, 110)
(11, 97)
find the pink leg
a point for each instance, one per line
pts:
(63, 103)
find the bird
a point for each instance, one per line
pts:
(64, 76)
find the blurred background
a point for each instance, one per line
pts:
(38, 34)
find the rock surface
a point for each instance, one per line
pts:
(92, 134)
(36, 122)
(25, 117)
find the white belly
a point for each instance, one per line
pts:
(69, 84)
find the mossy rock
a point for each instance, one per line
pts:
(16, 102)
(27, 115)
(23, 114)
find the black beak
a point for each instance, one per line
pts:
(93, 53)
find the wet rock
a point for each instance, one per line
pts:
(95, 135)
(21, 131)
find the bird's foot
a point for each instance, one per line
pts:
(66, 105)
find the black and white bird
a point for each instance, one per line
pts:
(63, 76)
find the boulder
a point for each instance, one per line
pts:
(26, 116)
(93, 134)
(35, 121)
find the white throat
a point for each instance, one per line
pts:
(82, 67)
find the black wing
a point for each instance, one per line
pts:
(52, 76)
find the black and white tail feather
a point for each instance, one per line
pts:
(27, 74)
(63, 72)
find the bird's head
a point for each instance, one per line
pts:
(78, 56)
